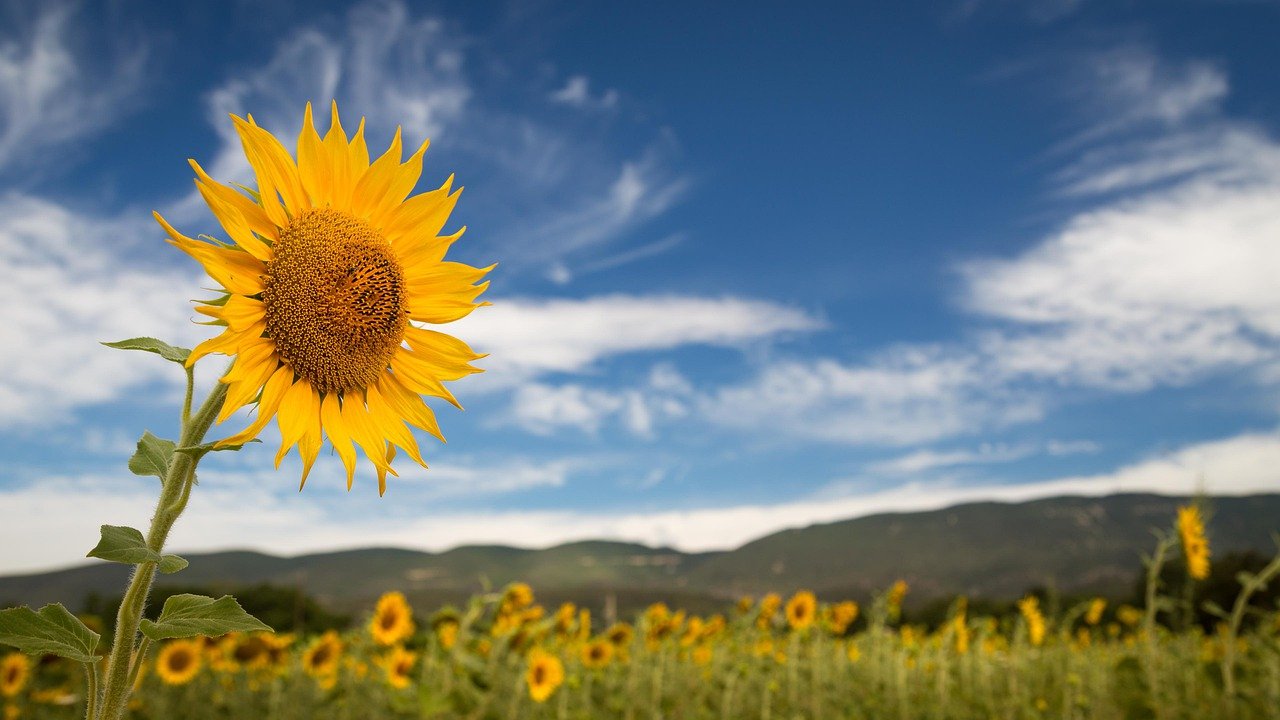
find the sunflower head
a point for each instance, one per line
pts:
(399, 667)
(331, 277)
(543, 675)
(15, 668)
(802, 608)
(597, 653)
(392, 619)
(323, 655)
(1195, 546)
(179, 661)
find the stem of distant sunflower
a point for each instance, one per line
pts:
(91, 690)
(173, 500)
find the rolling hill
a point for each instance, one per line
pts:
(987, 549)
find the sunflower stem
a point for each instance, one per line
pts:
(91, 690)
(173, 500)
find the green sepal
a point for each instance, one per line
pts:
(192, 615)
(52, 630)
(152, 456)
(170, 564)
(159, 347)
(199, 451)
(123, 544)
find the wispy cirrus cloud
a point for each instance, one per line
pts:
(54, 89)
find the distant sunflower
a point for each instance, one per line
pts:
(544, 674)
(802, 608)
(333, 270)
(322, 655)
(1195, 547)
(398, 665)
(179, 661)
(597, 653)
(15, 668)
(392, 619)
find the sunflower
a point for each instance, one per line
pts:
(1029, 607)
(15, 668)
(392, 619)
(179, 661)
(544, 674)
(1094, 614)
(331, 275)
(322, 655)
(597, 653)
(801, 610)
(841, 615)
(398, 664)
(1195, 547)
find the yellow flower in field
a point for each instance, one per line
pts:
(769, 605)
(179, 661)
(840, 616)
(702, 654)
(517, 596)
(398, 664)
(322, 656)
(12, 712)
(897, 594)
(15, 669)
(331, 273)
(597, 653)
(620, 635)
(251, 652)
(692, 632)
(802, 608)
(961, 627)
(1129, 615)
(1195, 547)
(763, 646)
(745, 604)
(1030, 609)
(564, 618)
(584, 624)
(1093, 615)
(447, 633)
(853, 652)
(545, 673)
(392, 619)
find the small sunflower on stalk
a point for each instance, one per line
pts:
(597, 653)
(332, 276)
(179, 661)
(543, 674)
(1195, 546)
(392, 619)
(1029, 607)
(15, 669)
(1093, 615)
(398, 665)
(840, 616)
(802, 608)
(323, 655)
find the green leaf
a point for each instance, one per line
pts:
(191, 615)
(170, 564)
(152, 457)
(51, 631)
(159, 347)
(1215, 609)
(123, 545)
(199, 451)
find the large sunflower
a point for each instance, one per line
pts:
(333, 272)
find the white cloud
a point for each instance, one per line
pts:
(68, 286)
(65, 512)
(53, 90)
(576, 93)
(922, 460)
(530, 336)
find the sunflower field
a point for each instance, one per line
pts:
(503, 655)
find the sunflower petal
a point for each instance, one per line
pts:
(390, 426)
(420, 217)
(335, 427)
(409, 405)
(292, 416)
(312, 439)
(237, 271)
(252, 213)
(271, 160)
(313, 162)
(272, 393)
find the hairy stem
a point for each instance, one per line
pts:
(173, 500)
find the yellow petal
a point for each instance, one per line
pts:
(292, 416)
(389, 425)
(227, 343)
(313, 162)
(408, 405)
(421, 217)
(356, 420)
(236, 270)
(444, 356)
(234, 223)
(382, 474)
(251, 211)
(375, 181)
(418, 379)
(271, 161)
(336, 429)
(342, 175)
(312, 439)
(272, 393)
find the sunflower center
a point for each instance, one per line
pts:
(335, 300)
(179, 661)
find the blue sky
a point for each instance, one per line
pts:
(757, 269)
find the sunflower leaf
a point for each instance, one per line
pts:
(123, 545)
(159, 347)
(52, 630)
(152, 457)
(191, 615)
(170, 564)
